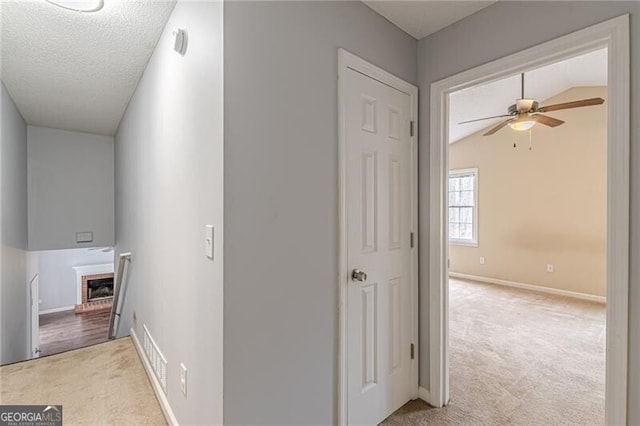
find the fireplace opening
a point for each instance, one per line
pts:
(100, 288)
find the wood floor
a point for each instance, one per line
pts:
(64, 331)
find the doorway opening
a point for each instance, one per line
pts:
(613, 36)
(74, 289)
(527, 246)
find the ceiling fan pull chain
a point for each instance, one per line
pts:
(530, 147)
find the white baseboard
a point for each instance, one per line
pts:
(538, 288)
(54, 310)
(424, 395)
(155, 384)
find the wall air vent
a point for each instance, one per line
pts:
(156, 359)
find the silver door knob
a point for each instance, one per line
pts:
(358, 275)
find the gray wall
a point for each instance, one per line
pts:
(57, 278)
(499, 30)
(169, 185)
(281, 200)
(70, 188)
(14, 302)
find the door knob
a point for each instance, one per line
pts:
(358, 275)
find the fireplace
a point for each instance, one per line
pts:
(99, 288)
(95, 287)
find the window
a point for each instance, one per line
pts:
(463, 207)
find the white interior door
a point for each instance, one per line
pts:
(35, 316)
(378, 205)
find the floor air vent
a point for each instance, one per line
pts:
(156, 359)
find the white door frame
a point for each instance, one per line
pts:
(348, 61)
(34, 315)
(614, 35)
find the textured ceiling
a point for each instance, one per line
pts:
(540, 84)
(421, 18)
(77, 71)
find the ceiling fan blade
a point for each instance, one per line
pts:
(485, 118)
(498, 127)
(102, 249)
(547, 121)
(573, 104)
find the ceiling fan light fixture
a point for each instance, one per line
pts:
(78, 5)
(522, 125)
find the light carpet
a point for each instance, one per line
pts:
(103, 384)
(519, 358)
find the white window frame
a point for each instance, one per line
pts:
(474, 241)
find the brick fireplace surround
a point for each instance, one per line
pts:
(94, 305)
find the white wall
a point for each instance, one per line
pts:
(483, 37)
(57, 278)
(14, 301)
(281, 200)
(71, 188)
(169, 156)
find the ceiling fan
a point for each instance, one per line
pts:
(102, 249)
(525, 113)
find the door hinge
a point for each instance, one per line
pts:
(411, 125)
(412, 354)
(411, 239)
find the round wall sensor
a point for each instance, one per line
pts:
(181, 41)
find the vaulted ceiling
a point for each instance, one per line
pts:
(421, 18)
(542, 83)
(77, 71)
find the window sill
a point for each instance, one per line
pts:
(463, 243)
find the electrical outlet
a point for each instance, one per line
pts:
(183, 379)
(482, 260)
(549, 267)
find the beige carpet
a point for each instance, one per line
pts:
(519, 357)
(97, 385)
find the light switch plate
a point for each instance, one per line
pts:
(208, 241)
